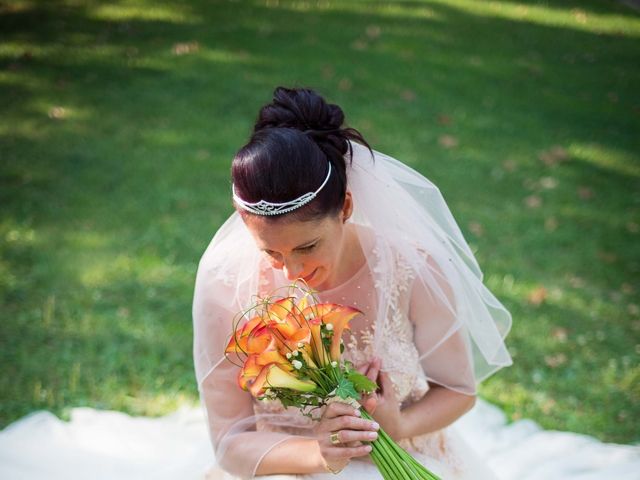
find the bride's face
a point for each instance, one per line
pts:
(309, 250)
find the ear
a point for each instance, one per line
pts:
(347, 207)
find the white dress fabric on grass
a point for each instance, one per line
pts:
(107, 445)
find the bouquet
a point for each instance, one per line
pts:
(290, 350)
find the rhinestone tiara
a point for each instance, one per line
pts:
(270, 208)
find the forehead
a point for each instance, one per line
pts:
(286, 235)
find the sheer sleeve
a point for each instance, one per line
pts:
(443, 343)
(238, 442)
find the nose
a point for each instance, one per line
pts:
(292, 270)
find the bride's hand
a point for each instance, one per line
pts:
(348, 430)
(382, 404)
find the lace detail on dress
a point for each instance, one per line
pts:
(396, 338)
(394, 341)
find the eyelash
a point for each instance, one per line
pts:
(304, 249)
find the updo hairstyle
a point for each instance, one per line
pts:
(293, 140)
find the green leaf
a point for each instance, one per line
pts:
(361, 382)
(345, 389)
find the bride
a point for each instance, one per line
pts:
(314, 201)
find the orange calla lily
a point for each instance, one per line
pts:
(250, 338)
(328, 313)
(254, 364)
(339, 318)
(274, 376)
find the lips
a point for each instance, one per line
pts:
(310, 276)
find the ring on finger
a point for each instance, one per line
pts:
(335, 439)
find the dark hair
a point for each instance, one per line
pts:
(294, 138)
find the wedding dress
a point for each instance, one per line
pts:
(426, 314)
(444, 452)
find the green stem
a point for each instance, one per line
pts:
(381, 463)
(399, 459)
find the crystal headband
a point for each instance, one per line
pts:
(269, 208)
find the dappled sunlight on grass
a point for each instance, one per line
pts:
(124, 11)
(574, 18)
(414, 11)
(608, 158)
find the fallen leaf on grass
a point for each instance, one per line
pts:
(476, 228)
(328, 71)
(627, 288)
(608, 257)
(579, 15)
(533, 201)
(444, 119)
(408, 95)
(553, 156)
(551, 224)
(185, 48)
(359, 44)
(547, 406)
(345, 84)
(373, 31)
(510, 165)
(576, 282)
(548, 183)
(537, 296)
(556, 360)
(560, 333)
(57, 113)
(585, 193)
(448, 141)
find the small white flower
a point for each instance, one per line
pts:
(300, 345)
(295, 353)
(289, 355)
(334, 364)
(329, 326)
(297, 364)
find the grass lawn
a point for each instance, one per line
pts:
(119, 121)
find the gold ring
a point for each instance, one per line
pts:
(334, 438)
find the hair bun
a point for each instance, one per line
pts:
(300, 108)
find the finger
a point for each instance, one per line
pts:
(374, 369)
(348, 436)
(371, 404)
(338, 409)
(347, 422)
(338, 453)
(363, 368)
(387, 386)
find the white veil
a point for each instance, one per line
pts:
(458, 325)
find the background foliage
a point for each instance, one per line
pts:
(119, 121)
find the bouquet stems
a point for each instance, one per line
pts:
(393, 462)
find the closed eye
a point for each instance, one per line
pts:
(307, 248)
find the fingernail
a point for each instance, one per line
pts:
(367, 448)
(373, 435)
(375, 425)
(357, 413)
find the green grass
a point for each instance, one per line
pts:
(119, 122)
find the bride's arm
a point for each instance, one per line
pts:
(438, 408)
